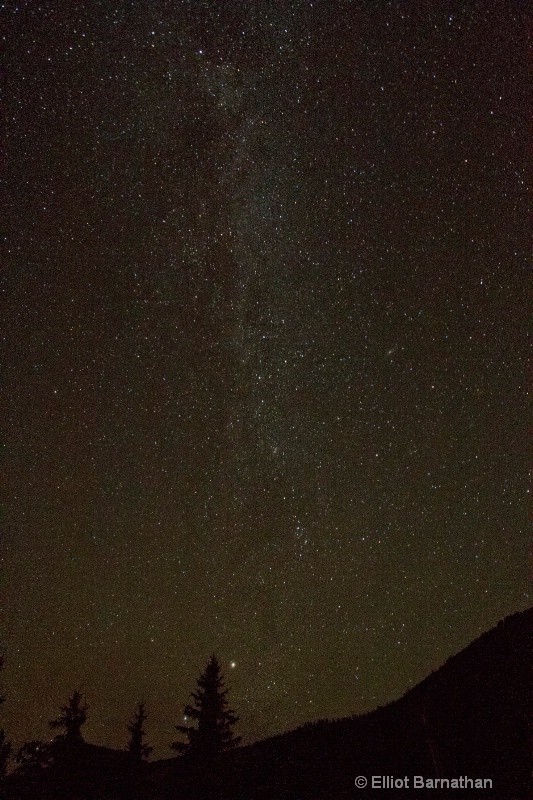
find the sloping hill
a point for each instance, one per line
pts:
(469, 718)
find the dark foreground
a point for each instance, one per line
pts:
(469, 720)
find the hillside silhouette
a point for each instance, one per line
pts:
(469, 718)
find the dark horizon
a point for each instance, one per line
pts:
(469, 719)
(265, 348)
(500, 651)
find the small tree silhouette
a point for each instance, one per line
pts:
(73, 717)
(213, 733)
(136, 746)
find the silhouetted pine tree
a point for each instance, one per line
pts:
(213, 733)
(136, 746)
(73, 717)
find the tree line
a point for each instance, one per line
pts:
(209, 734)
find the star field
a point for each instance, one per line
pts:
(264, 385)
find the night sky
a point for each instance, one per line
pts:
(263, 381)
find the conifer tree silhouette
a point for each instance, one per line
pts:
(213, 732)
(73, 716)
(136, 746)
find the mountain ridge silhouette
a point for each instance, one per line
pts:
(470, 718)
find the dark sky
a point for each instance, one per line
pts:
(265, 344)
